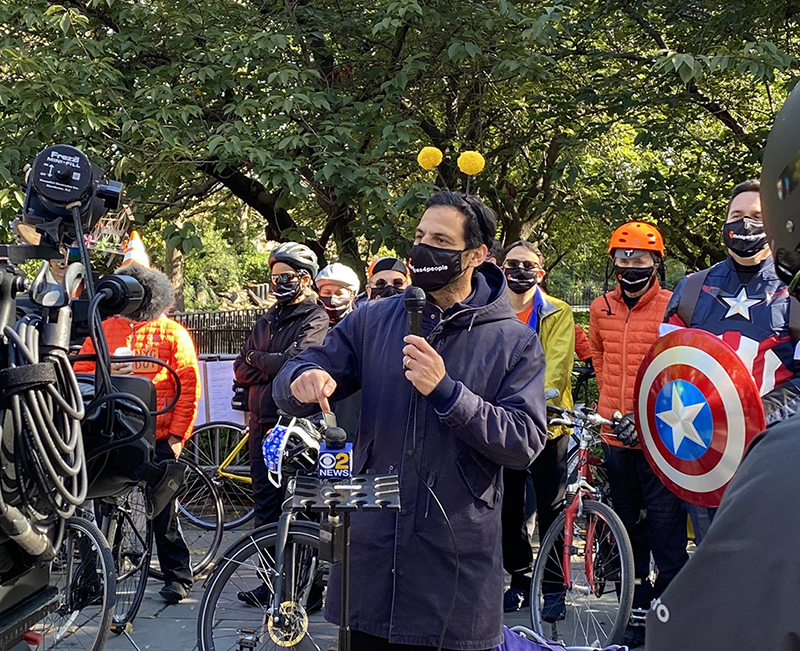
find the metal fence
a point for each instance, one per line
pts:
(219, 333)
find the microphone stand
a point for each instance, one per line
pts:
(370, 492)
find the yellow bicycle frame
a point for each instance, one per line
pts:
(222, 470)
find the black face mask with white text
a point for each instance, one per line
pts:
(745, 237)
(433, 268)
(633, 279)
(520, 280)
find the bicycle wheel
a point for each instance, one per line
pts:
(225, 622)
(83, 572)
(596, 607)
(198, 504)
(209, 447)
(130, 535)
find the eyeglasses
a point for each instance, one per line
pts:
(285, 277)
(397, 283)
(525, 264)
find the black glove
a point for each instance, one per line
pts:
(625, 430)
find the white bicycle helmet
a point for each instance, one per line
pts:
(290, 441)
(339, 274)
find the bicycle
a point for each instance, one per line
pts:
(277, 559)
(584, 572)
(220, 448)
(83, 571)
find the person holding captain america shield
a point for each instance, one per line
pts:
(741, 588)
(743, 301)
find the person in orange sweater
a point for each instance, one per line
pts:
(150, 333)
(623, 325)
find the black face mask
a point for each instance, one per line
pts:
(384, 292)
(745, 237)
(433, 268)
(286, 292)
(336, 307)
(521, 280)
(633, 279)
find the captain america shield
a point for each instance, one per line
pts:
(697, 408)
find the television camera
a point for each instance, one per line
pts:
(65, 439)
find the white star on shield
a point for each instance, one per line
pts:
(740, 304)
(681, 420)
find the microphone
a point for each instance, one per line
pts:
(414, 302)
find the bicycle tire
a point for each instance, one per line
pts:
(66, 622)
(130, 535)
(209, 446)
(607, 616)
(222, 616)
(198, 502)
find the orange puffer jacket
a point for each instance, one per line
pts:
(619, 342)
(168, 341)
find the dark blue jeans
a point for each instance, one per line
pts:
(635, 489)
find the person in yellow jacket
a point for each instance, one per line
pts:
(523, 267)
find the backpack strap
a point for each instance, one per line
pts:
(794, 319)
(691, 294)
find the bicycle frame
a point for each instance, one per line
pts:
(222, 470)
(580, 489)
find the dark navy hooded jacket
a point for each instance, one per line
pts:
(488, 412)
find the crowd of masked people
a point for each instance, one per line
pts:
(459, 412)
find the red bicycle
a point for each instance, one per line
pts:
(583, 578)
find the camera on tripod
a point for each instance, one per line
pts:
(65, 439)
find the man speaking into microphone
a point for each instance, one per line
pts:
(445, 411)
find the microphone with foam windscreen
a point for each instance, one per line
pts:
(414, 302)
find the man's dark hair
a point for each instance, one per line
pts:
(750, 185)
(496, 250)
(530, 246)
(480, 222)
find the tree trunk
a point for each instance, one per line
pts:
(174, 270)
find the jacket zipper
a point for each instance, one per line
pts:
(624, 360)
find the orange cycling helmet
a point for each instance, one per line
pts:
(637, 235)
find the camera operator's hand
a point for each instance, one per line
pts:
(176, 444)
(625, 430)
(313, 386)
(424, 366)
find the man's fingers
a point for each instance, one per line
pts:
(324, 405)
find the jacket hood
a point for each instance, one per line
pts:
(158, 293)
(487, 303)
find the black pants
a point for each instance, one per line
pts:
(267, 498)
(549, 474)
(363, 642)
(173, 554)
(634, 488)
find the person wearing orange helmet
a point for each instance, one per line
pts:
(623, 325)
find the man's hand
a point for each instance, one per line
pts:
(424, 366)
(176, 444)
(312, 386)
(625, 430)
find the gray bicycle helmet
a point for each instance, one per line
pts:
(780, 190)
(297, 256)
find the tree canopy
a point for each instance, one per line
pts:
(310, 114)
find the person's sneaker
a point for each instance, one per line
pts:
(554, 609)
(513, 600)
(173, 593)
(261, 596)
(633, 637)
